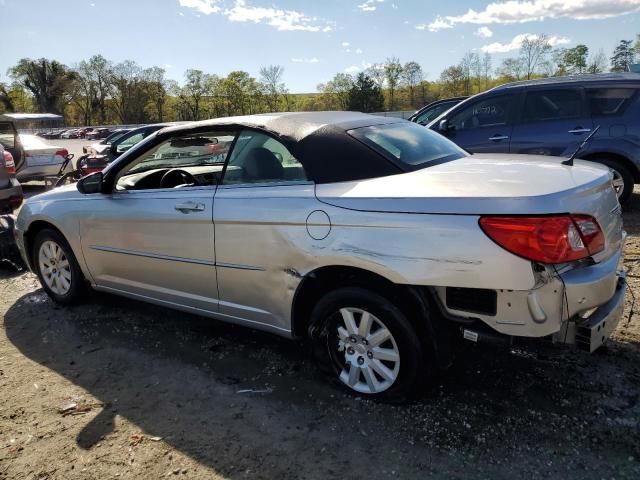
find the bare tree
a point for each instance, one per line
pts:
(393, 74)
(598, 62)
(376, 73)
(511, 68)
(533, 51)
(412, 76)
(337, 91)
(486, 69)
(271, 77)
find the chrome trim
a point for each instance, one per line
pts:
(151, 255)
(239, 267)
(175, 259)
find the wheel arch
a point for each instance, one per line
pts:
(416, 302)
(30, 234)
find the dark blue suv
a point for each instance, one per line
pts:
(552, 117)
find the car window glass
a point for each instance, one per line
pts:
(609, 101)
(557, 104)
(188, 160)
(7, 135)
(127, 143)
(491, 112)
(433, 112)
(409, 143)
(259, 158)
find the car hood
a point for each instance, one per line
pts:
(477, 184)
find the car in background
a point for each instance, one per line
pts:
(41, 159)
(51, 134)
(10, 140)
(121, 144)
(373, 238)
(434, 110)
(97, 133)
(84, 131)
(73, 133)
(11, 196)
(553, 116)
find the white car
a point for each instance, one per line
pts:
(41, 158)
(373, 238)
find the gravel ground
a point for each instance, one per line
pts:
(119, 389)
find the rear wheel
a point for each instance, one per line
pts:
(57, 267)
(623, 181)
(366, 343)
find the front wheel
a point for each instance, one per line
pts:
(57, 267)
(366, 343)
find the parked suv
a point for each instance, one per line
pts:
(434, 109)
(552, 117)
(10, 190)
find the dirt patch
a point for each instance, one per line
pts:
(120, 389)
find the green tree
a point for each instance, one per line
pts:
(575, 59)
(393, 75)
(411, 77)
(623, 56)
(50, 82)
(337, 91)
(365, 95)
(271, 78)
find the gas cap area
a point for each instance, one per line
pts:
(318, 225)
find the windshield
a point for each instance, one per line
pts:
(411, 144)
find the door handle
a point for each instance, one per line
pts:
(498, 138)
(190, 207)
(579, 130)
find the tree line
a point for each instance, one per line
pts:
(99, 92)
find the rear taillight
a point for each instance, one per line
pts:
(9, 163)
(63, 153)
(552, 239)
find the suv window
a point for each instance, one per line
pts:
(490, 112)
(194, 159)
(259, 158)
(544, 105)
(609, 101)
(435, 111)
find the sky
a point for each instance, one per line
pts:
(312, 40)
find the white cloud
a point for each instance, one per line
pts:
(203, 6)
(438, 24)
(484, 32)
(275, 17)
(345, 44)
(305, 60)
(521, 11)
(516, 43)
(357, 68)
(369, 5)
(358, 51)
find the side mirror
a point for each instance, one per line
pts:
(92, 183)
(444, 125)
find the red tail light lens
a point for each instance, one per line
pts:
(9, 163)
(63, 153)
(553, 239)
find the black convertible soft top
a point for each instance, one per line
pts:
(319, 140)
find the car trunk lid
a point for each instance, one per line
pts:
(490, 184)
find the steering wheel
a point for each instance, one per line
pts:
(176, 177)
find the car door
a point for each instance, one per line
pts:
(552, 121)
(260, 211)
(153, 236)
(483, 125)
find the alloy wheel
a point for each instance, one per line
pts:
(54, 267)
(367, 355)
(617, 182)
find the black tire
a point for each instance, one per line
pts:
(76, 289)
(324, 337)
(626, 175)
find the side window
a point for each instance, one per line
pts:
(435, 111)
(609, 101)
(545, 105)
(127, 143)
(187, 160)
(259, 158)
(491, 112)
(7, 135)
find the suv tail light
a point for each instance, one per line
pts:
(549, 239)
(9, 163)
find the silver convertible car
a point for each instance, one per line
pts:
(374, 239)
